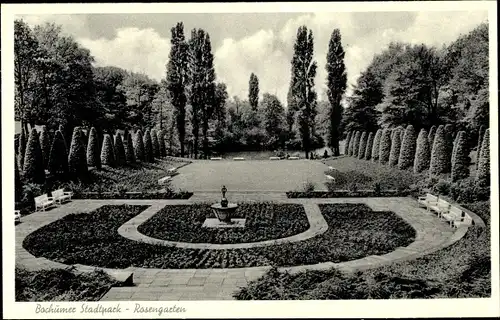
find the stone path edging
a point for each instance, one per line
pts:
(317, 226)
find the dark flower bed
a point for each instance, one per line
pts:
(264, 221)
(133, 195)
(355, 231)
(61, 285)
(462, 270)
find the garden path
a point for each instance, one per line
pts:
(220, 284)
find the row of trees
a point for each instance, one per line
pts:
(425, 86)
(38, 153)
(440, 151)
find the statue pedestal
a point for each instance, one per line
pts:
(223, 213)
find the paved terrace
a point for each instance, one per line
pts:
(220, 284)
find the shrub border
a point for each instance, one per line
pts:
(367, 193)
(134, 195)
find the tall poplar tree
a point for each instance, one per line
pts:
(337, 84)
(253, 92)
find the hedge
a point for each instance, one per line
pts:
(432, 134)
(376, 145)
(461, 160)
(148, 147)
(161, 143)
(369, 146)
(129, 149)
(45, 145)
(479, 143)
(139, 146)
(347, 141)
(483, 170)
(154, 144)
(18, 186)
(23, 141)
(93, 154)
(439, 153)
(448, 134)
(77, 160)
(355, 145)
(107, 154)
(33, 160)
(395, 148)
(58, 159)
(385, 146)
(362, 145)
(422, 152)
(120, 159)
(408, 146)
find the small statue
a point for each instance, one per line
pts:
(223, 202)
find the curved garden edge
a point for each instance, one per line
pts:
(370, 262)
(129, 230)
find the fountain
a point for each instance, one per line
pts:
(224, 213)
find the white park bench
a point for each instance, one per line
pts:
(293, 158)
(43, 202)
(216, 158)
(441, 207)
(238, 158)
(427, 200)
(172, 170)
(457, 217)
(274, 158)
(163, 180)
(331, 168)
(60, 196)
(329, 177)
(17, 215)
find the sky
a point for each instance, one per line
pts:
(261, 43)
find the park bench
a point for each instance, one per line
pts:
(163, 180)
(238, 158)
(43, 202)
(274, 158)
(442, 206)
(17, 215)
(215, 158)
(172, 170)
(457, 217)
(331, 168)
(329, 177)
(293, 158)
(60, 196)
(427, 200)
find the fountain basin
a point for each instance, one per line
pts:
(224, 214)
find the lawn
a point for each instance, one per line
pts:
(350, 173)
(61, 285)
(264, 221)
(355, 231)
(462, 270)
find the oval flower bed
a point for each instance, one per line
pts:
(264, 221)
(355, 231)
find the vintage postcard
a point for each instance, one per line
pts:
(250, 160)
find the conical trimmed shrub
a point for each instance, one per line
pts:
(422, 152)
(385, 146)
(45, 145)
(369, 146)
(461, 160)
(18, 185)
(351, 143)
(161, 143)
(154, 144)
(93, 151)
(479, 143)
(362, 145)
(395, 148)
(33, 160)
(139, 146)
(347, 141)
(129, 149)
(432, 134)
(119, 154)
(408, 146)
(448, 134)
(111, 134)
(439, 153)
(483, 170)
(107, 154)
(376, 145)
(355, 146)
(148, 147)
(455, 144)
(77, 159)
(23, 141)
(58, 159)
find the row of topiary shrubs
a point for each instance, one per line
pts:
(438, 151)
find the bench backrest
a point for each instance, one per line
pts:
(58, 193)
(41, 198)
(431, 198)
(443, 203)
(456, 212)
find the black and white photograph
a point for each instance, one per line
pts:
(156, 157)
